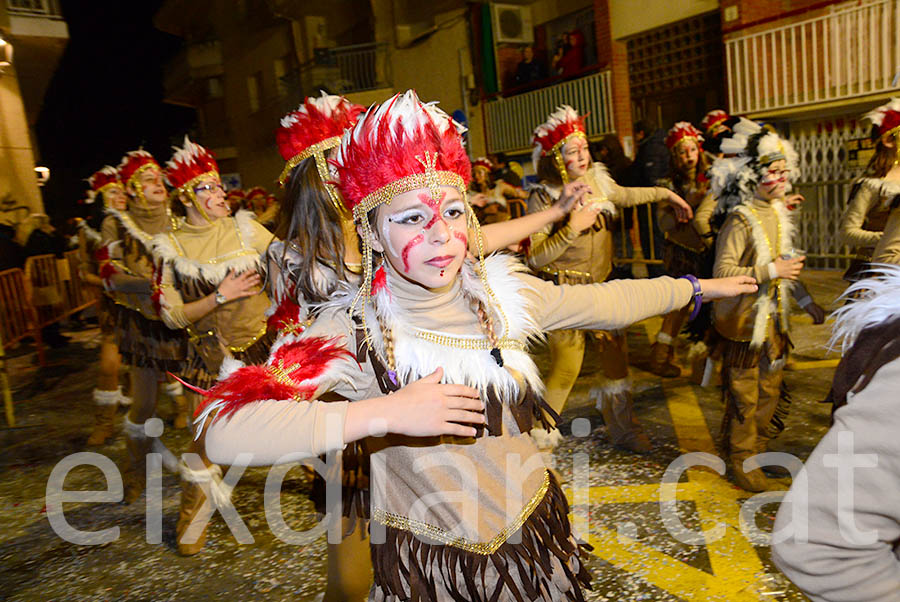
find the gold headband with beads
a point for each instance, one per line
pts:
(188, 188)
(317, 150)
(557, 154)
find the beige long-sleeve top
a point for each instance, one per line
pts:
(864, 218)
(582, 256)
(832, 566)
(128, 236)
(738, 250)
(271, 429)
(408, 469)
(195, 260)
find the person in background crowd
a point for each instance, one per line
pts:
(651, 164)
(874, 197)
(716, 126)
(530, 68)
(688, 248)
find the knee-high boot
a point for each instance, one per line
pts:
(202, 490)
(137, 445)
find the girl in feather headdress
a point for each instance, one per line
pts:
(580, 251)
(208, 285)
(473, 515)
(106, 191)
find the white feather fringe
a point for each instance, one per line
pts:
(877, 301)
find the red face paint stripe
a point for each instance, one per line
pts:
(462, 237)
(405, 253)
(435, 205)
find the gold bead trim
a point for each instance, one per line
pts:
(309, 151)
(448, 539)
(247, 345)
(476, 343)
(429, 180)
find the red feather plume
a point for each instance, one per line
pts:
(133, 161)
(304, 362)
(315, 120)
(389, 143)
(188, 162)
(286, 317)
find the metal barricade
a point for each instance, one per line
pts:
(17, 321)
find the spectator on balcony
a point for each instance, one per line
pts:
(650, 165)
(569, 58)
(531, 68)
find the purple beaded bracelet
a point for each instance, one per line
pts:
(698, 295)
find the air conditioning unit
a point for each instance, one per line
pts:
(512, 24)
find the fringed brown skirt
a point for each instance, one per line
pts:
(146, 343)
(680, 261)
(545, 565)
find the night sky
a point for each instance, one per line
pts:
(106, 96)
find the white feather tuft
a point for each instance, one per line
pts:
(869, 302)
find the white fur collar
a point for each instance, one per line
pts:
(213, 269)
(597, 177)
(91, 235)
(416, 357)
(133, 229)
(871, 301)
(885, 189)
(765, 306)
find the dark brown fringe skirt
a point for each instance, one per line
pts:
(680, 261)
(146, 343)
(547, 565)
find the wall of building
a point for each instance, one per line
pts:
(741, 13)
(635, 16)
(18, 182)
(435, 68)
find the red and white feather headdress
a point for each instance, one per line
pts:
(312, 129)
(255, 192)
(712, 119)
(188, 164)
(885, 119)
(133, 163)
(106, 177)
(550, 137)
(682, 131)
(482, 162)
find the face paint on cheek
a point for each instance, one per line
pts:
(417, 240)
(385, 235)
(461, 237)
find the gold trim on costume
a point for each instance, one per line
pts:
(431, 179)
(246, 346)
(460, 342)
(309, 151)
(436, 533)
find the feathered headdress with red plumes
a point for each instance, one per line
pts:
(548, 139)
(482, 162)
(101, 180)
(681, 131)
(313, 128)
(712, 119)
(405, 140)
(133, 163)
(188, 164)
(293, 372)
(255, 192)
(885, 119)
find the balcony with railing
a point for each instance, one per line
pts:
(34, 8)
(509, 122)
(344, 70)
(851, 51)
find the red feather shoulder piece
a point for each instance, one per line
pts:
(292, 372)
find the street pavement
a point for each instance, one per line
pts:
(694, 546)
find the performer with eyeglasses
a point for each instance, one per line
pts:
(209, 276)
